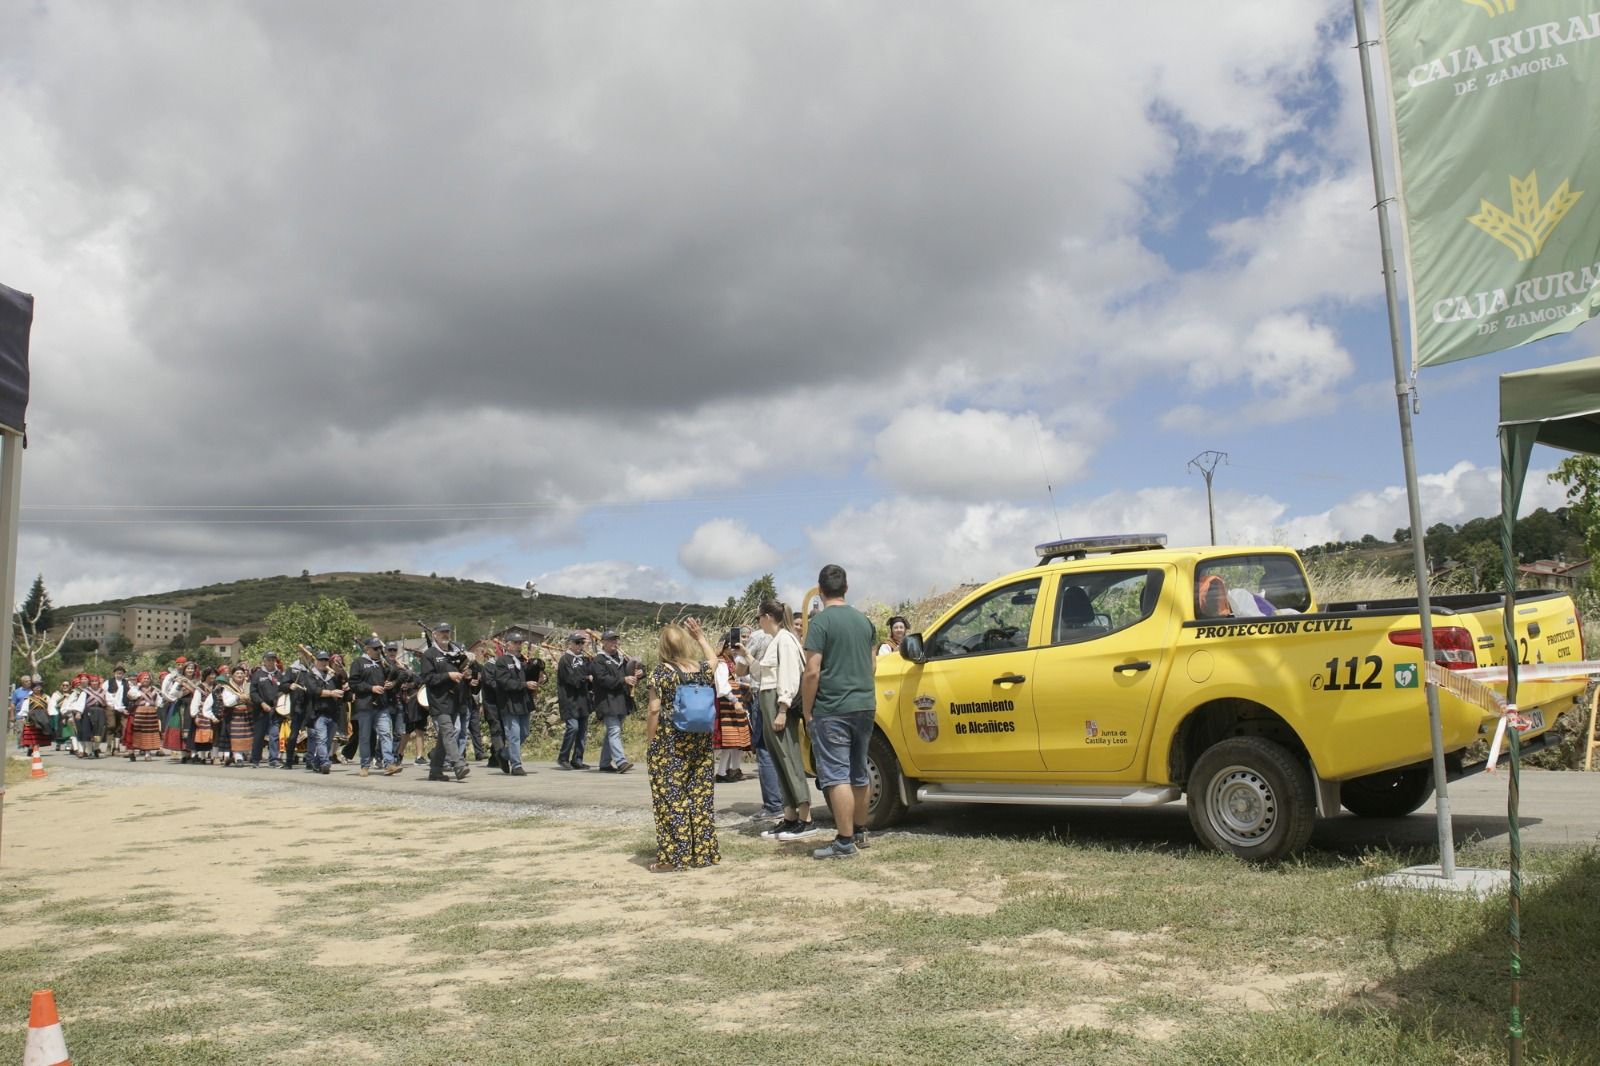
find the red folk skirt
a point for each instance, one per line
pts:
(144, 729)
(34, 737)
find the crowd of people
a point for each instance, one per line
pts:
(754, 685)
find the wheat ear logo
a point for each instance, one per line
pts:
(1529, 223)
(1494, 7)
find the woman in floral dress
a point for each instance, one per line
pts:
(681, 764)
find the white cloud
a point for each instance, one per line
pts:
(1463, 492)
(974, 454)
(612, 578)
(723, 548)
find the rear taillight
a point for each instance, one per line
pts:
(1453, 646)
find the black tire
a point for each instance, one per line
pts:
(1251, 798)
(884, 805)
(1391, 794)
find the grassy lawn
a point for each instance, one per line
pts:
(407, 938)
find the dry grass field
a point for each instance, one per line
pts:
(180, 924)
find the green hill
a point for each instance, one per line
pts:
(392, 602)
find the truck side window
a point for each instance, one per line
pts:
(1250, 586)
(1098, 604)
(998, 621)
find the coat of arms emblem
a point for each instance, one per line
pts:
(927, 719)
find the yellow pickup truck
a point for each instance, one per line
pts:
(1118, 671)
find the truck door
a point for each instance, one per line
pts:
(1109, 636)
(969, 706)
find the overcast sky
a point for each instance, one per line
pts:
(650, 299)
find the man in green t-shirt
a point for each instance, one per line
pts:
(837, 698)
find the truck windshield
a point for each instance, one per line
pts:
(1246, 586)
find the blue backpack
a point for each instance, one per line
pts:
(694, 706)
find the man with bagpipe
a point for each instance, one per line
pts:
(327, 702)
(267, 684)
(513, 679)
(444, 677)
(574, 680)
(300, 702)
(369, 682)
(407, 718)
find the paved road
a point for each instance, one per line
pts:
(1558, 809)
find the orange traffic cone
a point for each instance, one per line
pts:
(38, 765)
(47, 1044)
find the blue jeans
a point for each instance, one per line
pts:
(516, 729)
(368, 720)
(771, 790)
(839, 748)
(611, 748)
(573, 738)
(321, 742)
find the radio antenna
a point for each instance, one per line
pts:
(1048, 488)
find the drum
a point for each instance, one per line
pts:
(283, 705)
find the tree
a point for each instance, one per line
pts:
(32, 623)
(755, 594)
(37, 606)
(326, 625)
(1581, 475)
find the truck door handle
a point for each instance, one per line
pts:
(1142, 664)
(1010, 679)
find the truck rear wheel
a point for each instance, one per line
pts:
(884, 805)
(1391, 794)
(1251, 798)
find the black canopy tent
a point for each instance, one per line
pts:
(1558, 406)
(16, 323)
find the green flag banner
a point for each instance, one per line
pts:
(1496, 119)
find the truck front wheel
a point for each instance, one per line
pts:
(1251, 798)
(884, 805)
(1391, 794)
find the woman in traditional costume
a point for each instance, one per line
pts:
(203, 718)
(731, 737)
(36, 723)
(142, 735)
(235, 694)
(177, 689)
(57, 698)
(92, 719)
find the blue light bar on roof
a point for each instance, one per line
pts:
(1079, 547)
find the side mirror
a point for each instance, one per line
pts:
(911, 648)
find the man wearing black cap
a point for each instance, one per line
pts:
(402, 686)
(327, 695)
(370, 683)
(442, 675)
(573, 681)
(300, 704)
(265, 685)
(613, 699)
(512, 691)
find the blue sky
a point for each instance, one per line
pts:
(705, 298)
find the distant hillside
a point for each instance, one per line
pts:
(392, 602)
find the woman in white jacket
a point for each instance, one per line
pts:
(777, 680)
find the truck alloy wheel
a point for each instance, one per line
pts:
(1252, 798)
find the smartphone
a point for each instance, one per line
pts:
(735, 636)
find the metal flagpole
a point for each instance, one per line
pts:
(10, 499)
(1402, 391)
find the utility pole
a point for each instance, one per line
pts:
(1206, 462)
